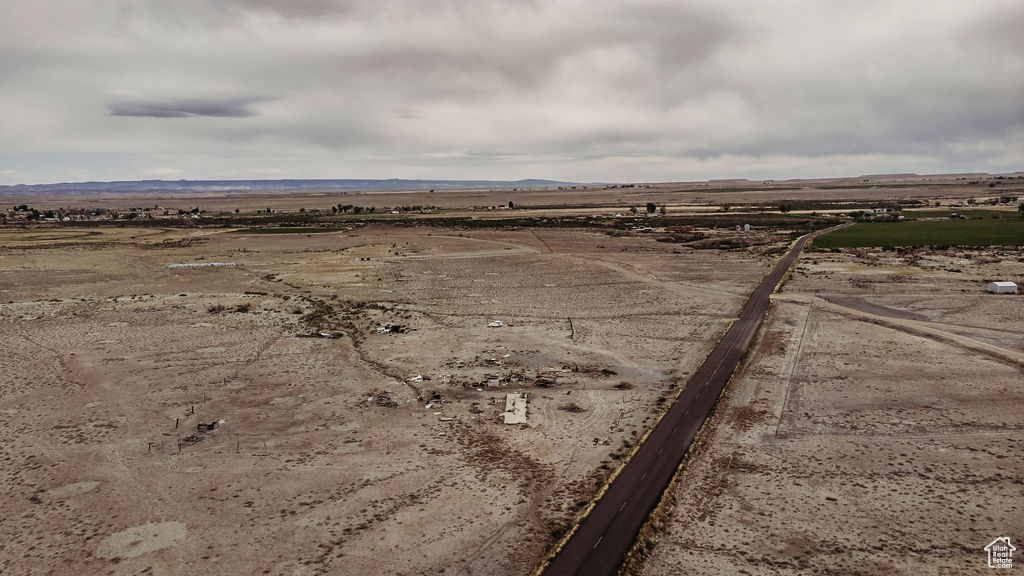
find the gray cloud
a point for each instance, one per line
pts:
(577, 89)
(185, 108)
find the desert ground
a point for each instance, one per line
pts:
(357, 387)
(351, 382)
(876, 429)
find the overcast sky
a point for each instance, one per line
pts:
(574, 90)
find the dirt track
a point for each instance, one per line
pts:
(853, 443)
(602, 540)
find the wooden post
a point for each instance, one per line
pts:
(179, 447)
(237, 444)
(175, 423)
(150, 448)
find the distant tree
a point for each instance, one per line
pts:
(302, 209)
(357, 209)
(784, 208)
(236, 210)
(334, 209)
(632, 209)
(662, 209)
(511, 204)
(1020, 209)
(651, 208)
(269, 210)
(372, 209)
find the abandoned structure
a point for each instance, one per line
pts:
(1002, 288)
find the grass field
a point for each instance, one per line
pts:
(979, 232)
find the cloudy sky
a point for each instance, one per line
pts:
(588, 90)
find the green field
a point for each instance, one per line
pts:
(979, 232)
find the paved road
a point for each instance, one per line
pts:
(606, 535)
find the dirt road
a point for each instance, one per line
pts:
(601, 542)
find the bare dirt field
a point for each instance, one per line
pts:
(352, 388)
(876, 428)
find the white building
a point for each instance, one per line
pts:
(1002, 288)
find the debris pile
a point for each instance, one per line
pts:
(383, 398)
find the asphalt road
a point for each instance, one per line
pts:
(606, 535)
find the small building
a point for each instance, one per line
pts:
(1002, 288)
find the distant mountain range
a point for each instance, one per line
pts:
(163, 186)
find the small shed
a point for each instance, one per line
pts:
(1002, 288)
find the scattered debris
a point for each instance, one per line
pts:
(623, 386)
(416, 378)
(392, 329)
(571, 407)
(384, 398)
(446, 418)
(192, 438)
(544, 383)
(495, 324)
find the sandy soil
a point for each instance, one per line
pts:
(339, 448)
(876, 429)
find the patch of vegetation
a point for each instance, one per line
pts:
(971, 232)
(967, 213)
(290, 230)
